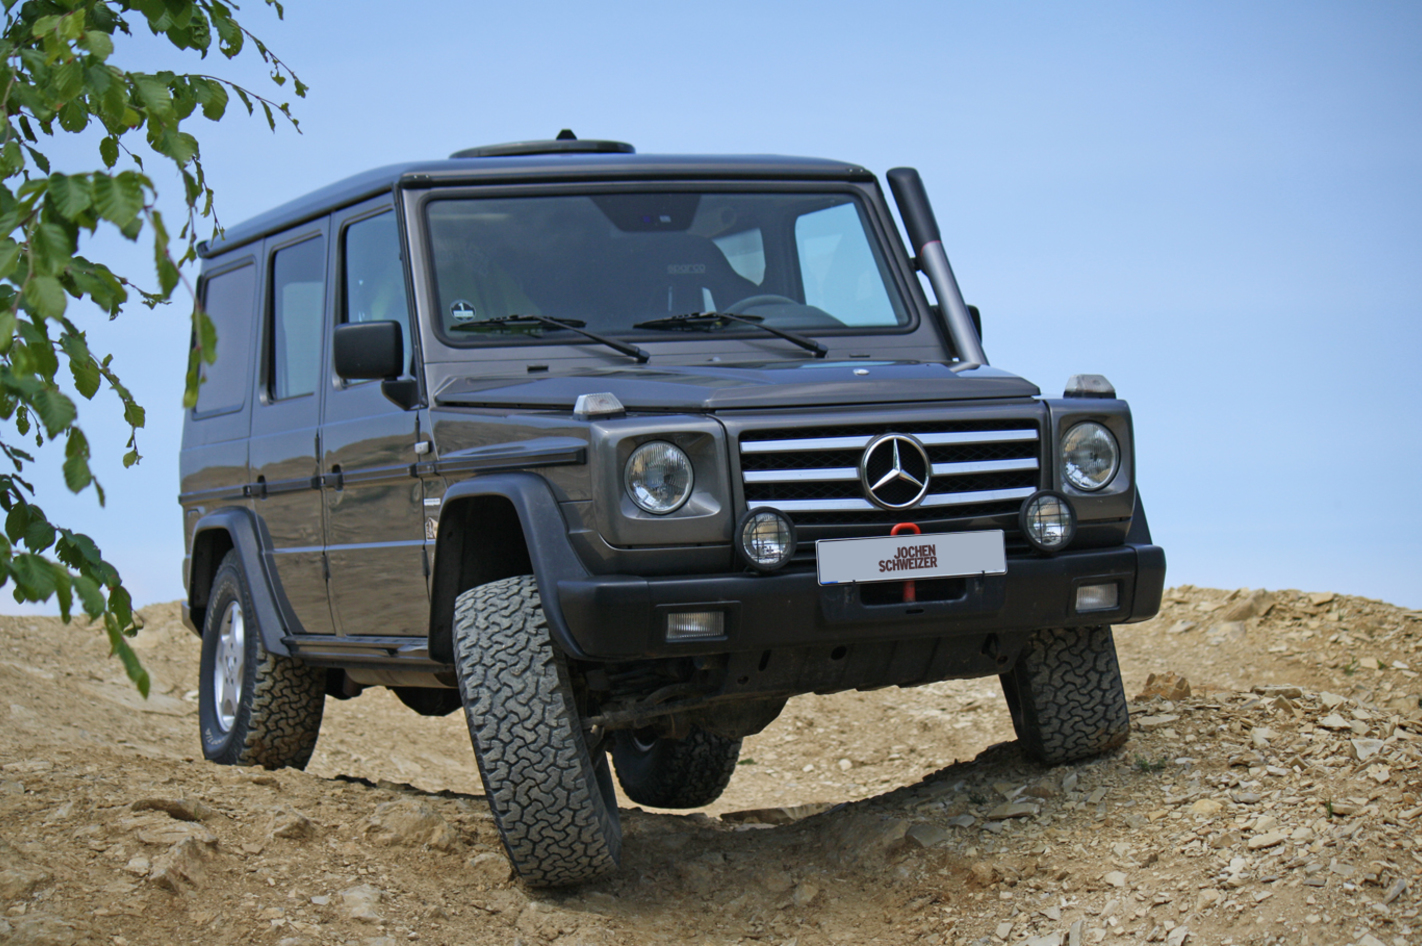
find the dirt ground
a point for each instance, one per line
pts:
(1276, 803)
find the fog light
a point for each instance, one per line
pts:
(1098, 597)
(1048, 521)
(765, 539)
(696, 625)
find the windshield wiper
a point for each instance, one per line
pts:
(572, 325)
(711, 320)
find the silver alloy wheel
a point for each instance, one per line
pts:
(227, 668)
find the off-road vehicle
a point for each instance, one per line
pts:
(616, 453)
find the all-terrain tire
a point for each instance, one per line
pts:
(1065, 695)
(674, 773)
(273, 716)
(552, 800)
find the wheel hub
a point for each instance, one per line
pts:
(228, 665)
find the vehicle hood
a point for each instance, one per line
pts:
(680, 388)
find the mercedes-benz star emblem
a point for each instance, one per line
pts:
(895, 471)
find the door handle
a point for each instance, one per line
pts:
(336, 478)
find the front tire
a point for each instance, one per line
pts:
(551, 798)
(1065, 695)
(254, 707)
(674, 773)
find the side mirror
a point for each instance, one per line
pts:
(367, 350)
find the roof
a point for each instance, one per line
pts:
(532, 168)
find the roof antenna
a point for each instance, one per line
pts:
(566, 135)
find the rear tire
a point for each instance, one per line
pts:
(552, 799)
(674, 773)
(1065, 695)
(254, 707)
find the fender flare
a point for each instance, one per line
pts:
(545, 535)
(246, 532)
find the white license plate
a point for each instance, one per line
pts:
(900, 557)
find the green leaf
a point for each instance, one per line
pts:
(108, 150)
(17, 521)
(86, 373)
(211, 96)
(55, 410)
(130, 458)
(9, 257)
(133, 413)
(71, 196)
(77, 474)
(118, 199)
(39, 534)
(153, 93)
(35, 578)
(90, 597)
(98, 43)
(119, 648)
(45, 296)
(50, 248)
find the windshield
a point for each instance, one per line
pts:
(801, 262)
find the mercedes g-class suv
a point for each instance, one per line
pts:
(616, 453)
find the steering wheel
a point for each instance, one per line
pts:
(751, 302)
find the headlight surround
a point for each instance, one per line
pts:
(1090, 456)
(658, 477)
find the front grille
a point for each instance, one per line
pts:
(980, 468)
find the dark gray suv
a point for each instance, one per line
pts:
(616, 453)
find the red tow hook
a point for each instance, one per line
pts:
(908, 528)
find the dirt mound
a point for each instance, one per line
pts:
(1276, 802)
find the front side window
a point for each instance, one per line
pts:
(297, 299)
(617, 262)
(374, 277)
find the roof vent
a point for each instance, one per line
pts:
(565, 143)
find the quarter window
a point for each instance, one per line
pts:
(228, 299)
(298, 296)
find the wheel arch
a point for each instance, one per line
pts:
(216, 534)
(494, 527)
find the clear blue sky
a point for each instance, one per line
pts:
(1218, 206)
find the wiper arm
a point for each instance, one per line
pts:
(572, 325)
(715, 319)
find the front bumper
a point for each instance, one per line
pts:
(616, 617)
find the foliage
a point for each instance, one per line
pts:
(58, 76)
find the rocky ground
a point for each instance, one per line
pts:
(1271, 797)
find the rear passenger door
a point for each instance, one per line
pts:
(374, 506)
(284, 449)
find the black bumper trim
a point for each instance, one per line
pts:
(616, 617)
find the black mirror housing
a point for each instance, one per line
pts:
(369, 350)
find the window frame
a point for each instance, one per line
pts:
(269, 314)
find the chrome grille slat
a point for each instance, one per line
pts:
(859, 443)
(990, 469)
(864, 505)
(841, 474)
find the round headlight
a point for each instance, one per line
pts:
(1090, 456)
(1048, 521)
(658, 477)
(765, 539)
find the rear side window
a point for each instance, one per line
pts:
(374, 276)
(228, 298)
(298, 296)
